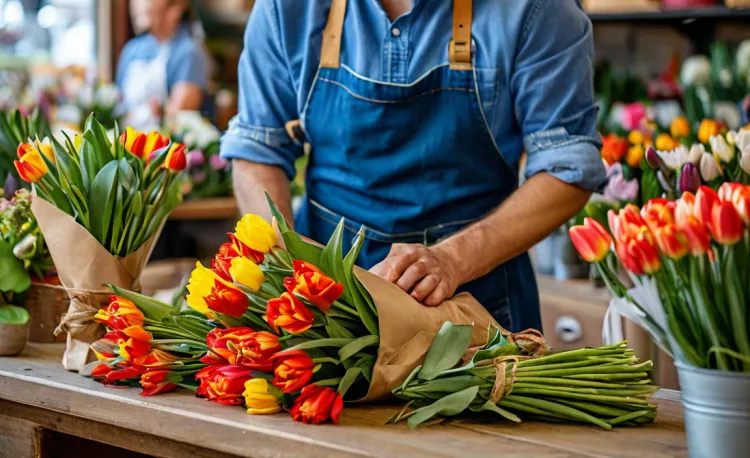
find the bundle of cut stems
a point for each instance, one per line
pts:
(604, 386)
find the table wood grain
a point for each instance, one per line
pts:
(35, 389)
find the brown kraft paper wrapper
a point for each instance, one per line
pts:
(407, 329)
(85, 268)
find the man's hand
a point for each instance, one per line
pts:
(429, 274)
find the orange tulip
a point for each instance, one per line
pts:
(591, 240)
(638, 255)
(130, 347)
(680, 127)
(726, 224)
(292, 370)
(288, 313)
(210, 293)
(705, 200)
(317, 404)
(120, 314)
(614, 148)
(671, 241)
(156, 382)
(154, 142)
(157, 359)
(30, 166)
(134, 142)
(315, 286)
(664, 142)
(697, 236)
(658, 213)
(242, 346)
(176, 157)
(223, 384)
(108, 374)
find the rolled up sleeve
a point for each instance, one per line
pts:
(552, 86)
(266, 99)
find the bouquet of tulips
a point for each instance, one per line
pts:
(689, 262)
(514, 376)
(298, 327)
(102, 204)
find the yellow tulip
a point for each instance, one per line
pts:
(707, 129)
(30, 165)
(256, 233)
(258, 398)
(635, 155)
(665, 143)
(209, 293)
(636, 137)
(45, 147)
(246, 273)
(680, 127)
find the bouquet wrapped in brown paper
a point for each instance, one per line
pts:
(282, 322)
(101, 204)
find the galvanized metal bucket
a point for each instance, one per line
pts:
(717, 412)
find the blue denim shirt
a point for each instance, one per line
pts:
(534, 61)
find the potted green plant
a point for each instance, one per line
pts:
(45, 299)
(14, 320)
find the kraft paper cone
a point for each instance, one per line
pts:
(85, 267)
(407, 329)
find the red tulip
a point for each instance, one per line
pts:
(288, 313)
(133, 141)
(591, 240)
(154, 142)
(317, 404)
(30, 164)
(671, 241)
(727, 190)
(626, 223)
(726, 224)
(230, 250)
(684, 208)
(741, 201)
(223, 384)
(315, 286)
(705, 199)
(176, 159)
(131, 341)
(157, 359)
(106, 373)
(156, 382)
(292, 370)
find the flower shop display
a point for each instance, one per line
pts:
(207, 174)
(102, 204)
(302, 329)
(515, 376)
(689, 263)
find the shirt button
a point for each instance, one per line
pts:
(396, 31)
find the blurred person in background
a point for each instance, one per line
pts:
(164, 70)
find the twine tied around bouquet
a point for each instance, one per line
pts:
(503, 385)
(84, 304)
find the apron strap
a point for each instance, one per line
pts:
(331, 48)
(459, 48)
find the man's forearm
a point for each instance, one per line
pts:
(253, 180)
(531, 213)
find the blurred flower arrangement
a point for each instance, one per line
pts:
(23, 253)
(207, 174)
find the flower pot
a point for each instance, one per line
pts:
(13, 338)
(46, 305)
(717, 412)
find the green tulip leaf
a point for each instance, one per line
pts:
(102, 201)
(357, 345)
(449, 345)
(151, 308)
(450, 405)
(348, 380)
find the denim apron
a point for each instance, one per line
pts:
(412, 163)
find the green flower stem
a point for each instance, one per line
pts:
(582, 396)
(338, 305)
(737, 304)
(697, 286)
(553, 407)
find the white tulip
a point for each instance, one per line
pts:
(680, 156)
(742, 140)
(709, 168)
(721, 148)
(696, 153)
(729, 112)
(745, 162)
(696, 71)
(725, 77)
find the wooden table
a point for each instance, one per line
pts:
(40, 403)
(205, 209)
